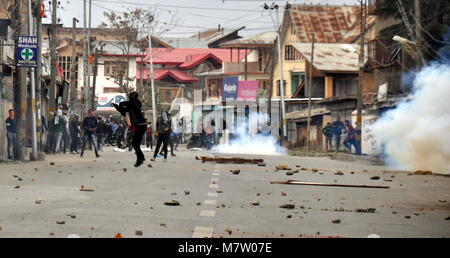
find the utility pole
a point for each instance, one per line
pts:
(308, 129)
(419, 45)
(85, 61)
(73, 68)
(20, 87)
(32, 91)
(89, 97)
(152, 79)
(280, 64)
(39, 16)
(94, 83)
(360, 87)
(52, 91)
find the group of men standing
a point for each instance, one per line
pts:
(335, 130)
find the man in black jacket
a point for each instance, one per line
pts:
(138, 123)
(75, 132)
(89, 127)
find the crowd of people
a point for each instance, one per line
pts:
(335, 130)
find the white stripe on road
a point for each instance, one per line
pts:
(216, 174)
(213, 194)
(207, 213)
(200, 232)
(213, 186)
(214, 179)
(211, 202)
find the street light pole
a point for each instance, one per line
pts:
(280, 63)
(33, 93)
(152, 79)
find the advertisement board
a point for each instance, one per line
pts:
(230, 88)
(105, 100)
(248, 90)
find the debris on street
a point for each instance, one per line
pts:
(60, 222)
(283, 167)
(369, 210)
(218, 159)
(293, 182)
(288, 206)
(172, 203)
(138, 232)
(336, 221)
(423, 173)
(235, 171)
(84, 189)
(375, 178)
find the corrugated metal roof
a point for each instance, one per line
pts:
(330, 24)
(304, 113)
(213, 35)
(185, 42)
(264, 38)
(332, 57)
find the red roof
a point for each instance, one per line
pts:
(187, 55)
(160, 74)
(195, 60)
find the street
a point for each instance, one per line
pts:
(43, 199)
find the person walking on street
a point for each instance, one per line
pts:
(138, 123)
(89, 127)
(11, 135)
(75, 132)
(338, 127)
(164, 128)
(149, 136)
(101, 131)
(350, 139)
(50, 135)
(59, 126)
(328, 132)
(66, 133)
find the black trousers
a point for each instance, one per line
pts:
(137, 139)
(164, 140)
(74, 143)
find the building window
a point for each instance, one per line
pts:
(263, 84)
(279, 88)
(291, 54)
(65, 62)
(345, 87)
(168, 95)
(214, 88)
(115, 68)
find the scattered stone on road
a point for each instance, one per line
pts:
(172, 203)
(407, 217)
(235, 171)
(282, 167)
(125, 169)
(60, 222)
(375, 178)
(369, 210)
(84, 189)
(138, 232)
(448, 218)
(149, 165)
(289, 173)
(187, 192)
(339, 173)
(288, 206)
(38, 201)
(423, 173)
(336, 221)
(256, 203)
(262, 164)
(229, 230)
(52, 163)
(17, 187)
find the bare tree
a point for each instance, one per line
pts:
(131, 26)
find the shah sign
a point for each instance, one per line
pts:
(27, 51)
(105, 100)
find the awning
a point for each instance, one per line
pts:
(304, 113)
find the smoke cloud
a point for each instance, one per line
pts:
(253, 142)
(417, 133)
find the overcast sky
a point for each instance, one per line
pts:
(191, 15)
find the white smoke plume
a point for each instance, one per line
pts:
(262, 143)
(417, 133)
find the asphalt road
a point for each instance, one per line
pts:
(213, 201)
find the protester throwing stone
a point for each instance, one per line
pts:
(138, 122)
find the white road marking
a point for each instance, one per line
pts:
(213, 194)
(213, 186)
(216, 174)
(200, 232)
(208, 213)
(211, 202)
(214, 179)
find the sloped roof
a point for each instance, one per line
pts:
(214, 35)
(183, 55)
(195, 60)
(264, 38)
(160, 74)
(185, 42)
(4, 5)
(332, 57)
(330, 24)
(304, 113)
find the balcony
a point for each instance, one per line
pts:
(252, 67)
(380, 54)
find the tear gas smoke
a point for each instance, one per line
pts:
(262, 143)
(417, 133)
